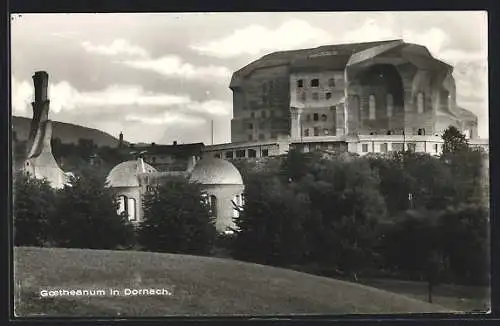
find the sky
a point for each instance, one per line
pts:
(165, 76)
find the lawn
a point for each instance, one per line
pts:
(198, 286)
(457, 297)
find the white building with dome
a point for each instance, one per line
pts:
(221, 183)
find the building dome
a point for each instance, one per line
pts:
(125, 174)
(215, 171)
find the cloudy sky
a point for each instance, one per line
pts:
(164, 77)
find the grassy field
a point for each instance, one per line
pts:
(457, 297)
(198, 286)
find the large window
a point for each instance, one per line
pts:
(127, 205)
(236, 204)
(371, 107)
(397, 147)
(390, 105)
(300, 83)
(265, 152)
(420, 102)
(383, 147)
(212, 205)
(122, 205)
(315, 82)
(364, 148)
(131, 210)
(229, 154)
(252, 153)
(412, 147)
(240, 153)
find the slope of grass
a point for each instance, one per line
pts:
(459, 297)
(198, 286)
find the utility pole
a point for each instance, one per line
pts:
(404, 140)
(212, 130)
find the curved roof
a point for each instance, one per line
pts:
(215, 171)
(336, 57)
(125, 174)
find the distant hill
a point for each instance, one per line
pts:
(67, 132)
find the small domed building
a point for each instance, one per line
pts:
(221, 183)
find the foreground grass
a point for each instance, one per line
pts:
(199, 286)
(456, 297)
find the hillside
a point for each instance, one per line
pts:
(197, 286)
(67, 132)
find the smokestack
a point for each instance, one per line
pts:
(41, 83)
(40, 106)
(175, 142)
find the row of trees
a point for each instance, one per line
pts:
(409, 215)
(84, 215)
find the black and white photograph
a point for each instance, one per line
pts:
(250, 164)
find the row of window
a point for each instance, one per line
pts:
(315, 96)
(316, 132)
(263, 114)
(419, 132)
(241, 153)
(372, 105)
(315, 82)
(315, 117)
(396, 147)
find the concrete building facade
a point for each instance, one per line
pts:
(340, 93)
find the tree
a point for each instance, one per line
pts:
(270, 228)
(465, 235)
(176, 219)
(454, 141)
(86, 215)
(348, 206)
(33, 201)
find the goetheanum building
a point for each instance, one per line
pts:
(363, 97)
(221, 184)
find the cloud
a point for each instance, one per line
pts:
(173, 66)
(213, 107)
(22, 96)
(167, 118)
(117, 47)
(255, 39)
(66, 34)
(65, 98)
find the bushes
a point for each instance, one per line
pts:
(81, 215)
(176, 220)
(349, 217)
(33, 207)
(86, 216)
(271, 224)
